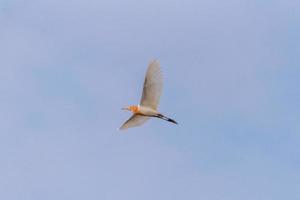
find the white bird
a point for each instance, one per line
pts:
(150, 99)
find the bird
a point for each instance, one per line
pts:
(147, 108)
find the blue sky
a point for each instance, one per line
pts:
(231, 73)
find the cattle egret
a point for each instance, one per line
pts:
(150, 99)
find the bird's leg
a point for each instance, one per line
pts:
(166, 118)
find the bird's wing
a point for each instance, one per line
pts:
(134, 120)
(152, 86)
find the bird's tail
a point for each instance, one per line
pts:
(166, 118)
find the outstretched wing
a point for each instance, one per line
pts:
(134, 120)
(152, 86)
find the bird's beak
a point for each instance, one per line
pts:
(125, 108)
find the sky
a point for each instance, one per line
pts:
(231, 79)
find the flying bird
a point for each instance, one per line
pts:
(150, 99)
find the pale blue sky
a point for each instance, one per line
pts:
(231, 73)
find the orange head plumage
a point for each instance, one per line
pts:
(134, 109)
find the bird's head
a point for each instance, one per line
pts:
(133, 109)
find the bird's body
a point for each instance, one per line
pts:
(150, 99)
